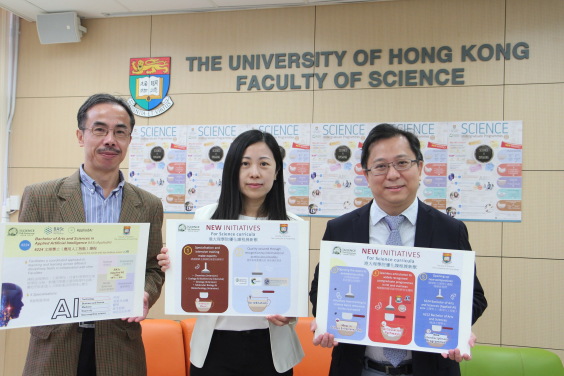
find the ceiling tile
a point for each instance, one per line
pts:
(84, 8)
(166, 6)
(250, 3)
(22, 8)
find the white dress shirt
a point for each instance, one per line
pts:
(379, 232)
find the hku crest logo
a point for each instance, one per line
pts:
(126, 230)
(447, 258)
(283, 229)
(149, 81)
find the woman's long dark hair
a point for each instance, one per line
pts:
(231, 200)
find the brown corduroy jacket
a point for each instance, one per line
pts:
(54, 349)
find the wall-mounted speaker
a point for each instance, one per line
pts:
(59, 28)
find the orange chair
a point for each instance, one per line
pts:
(164, 347)
(317, 360)
(187, 330)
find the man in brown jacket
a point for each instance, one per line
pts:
(96, 193)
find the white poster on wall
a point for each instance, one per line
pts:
(205, 158)
(485, 170)
(294, 142)
(157, 163)
(337, 182)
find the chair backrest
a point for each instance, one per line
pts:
(164, 347)
(187, 330)
(505, 361)
(317, 359)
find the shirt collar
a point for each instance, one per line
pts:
(91, 183)
(376, 214)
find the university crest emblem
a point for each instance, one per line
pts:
(447, 258)
(283, 229)
(126, 230)
(149, 80)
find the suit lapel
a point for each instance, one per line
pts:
(130, 206)
(361, 225)
(71, 206)
(424, 227)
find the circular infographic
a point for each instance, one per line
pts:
(342, 153)
(157, 153)
(484, 153)
(216, 154)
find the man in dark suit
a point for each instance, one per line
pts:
(392, 164)
(96, 193)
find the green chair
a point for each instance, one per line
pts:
(504, 361)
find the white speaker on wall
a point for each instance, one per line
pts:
(59, 28)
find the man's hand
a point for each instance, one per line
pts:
(164, 262)
(325, 340)
(145, 310)
(456, 355)
(279, 320)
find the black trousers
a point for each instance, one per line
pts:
(233, 353)
(87, 356)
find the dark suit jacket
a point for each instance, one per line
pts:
(54, 349)
(434, 230)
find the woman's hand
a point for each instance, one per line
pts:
(164, 263)
(279, 320)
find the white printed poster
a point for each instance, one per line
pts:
(237, 268)
(337, 183)
(54, 273)
(293, 140)
(205, 158)
(485, 170)
(399, 297)
(157, 163)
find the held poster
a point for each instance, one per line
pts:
(55, 273)
(400, 297)
(237, 268)
(472, 170)
(157, 163)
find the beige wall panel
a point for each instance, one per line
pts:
(532, 307)
(44, 133)
(19, 178)
(228, 108)
(485, 237)
(540, 108)
(265, 31)
(99, 63)
(17, 342)
(2, 352)
(487, 328)
(535, 236)
(317, 229)
(424, 104)
(406, 24)
(538, 23)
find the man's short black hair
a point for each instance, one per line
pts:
(99, 99)
(385, 131)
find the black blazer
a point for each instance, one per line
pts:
(434, 230)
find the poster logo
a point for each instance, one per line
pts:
(13, 231)
(25, 245)
(283, 229)
(149, 81)
(126, 230)
(181, 227)
(337, 250)
(48, 230)
(447, 258)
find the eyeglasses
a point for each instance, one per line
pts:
(120, 133)
(382, 168)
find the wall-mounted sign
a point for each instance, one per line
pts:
(149, 81)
